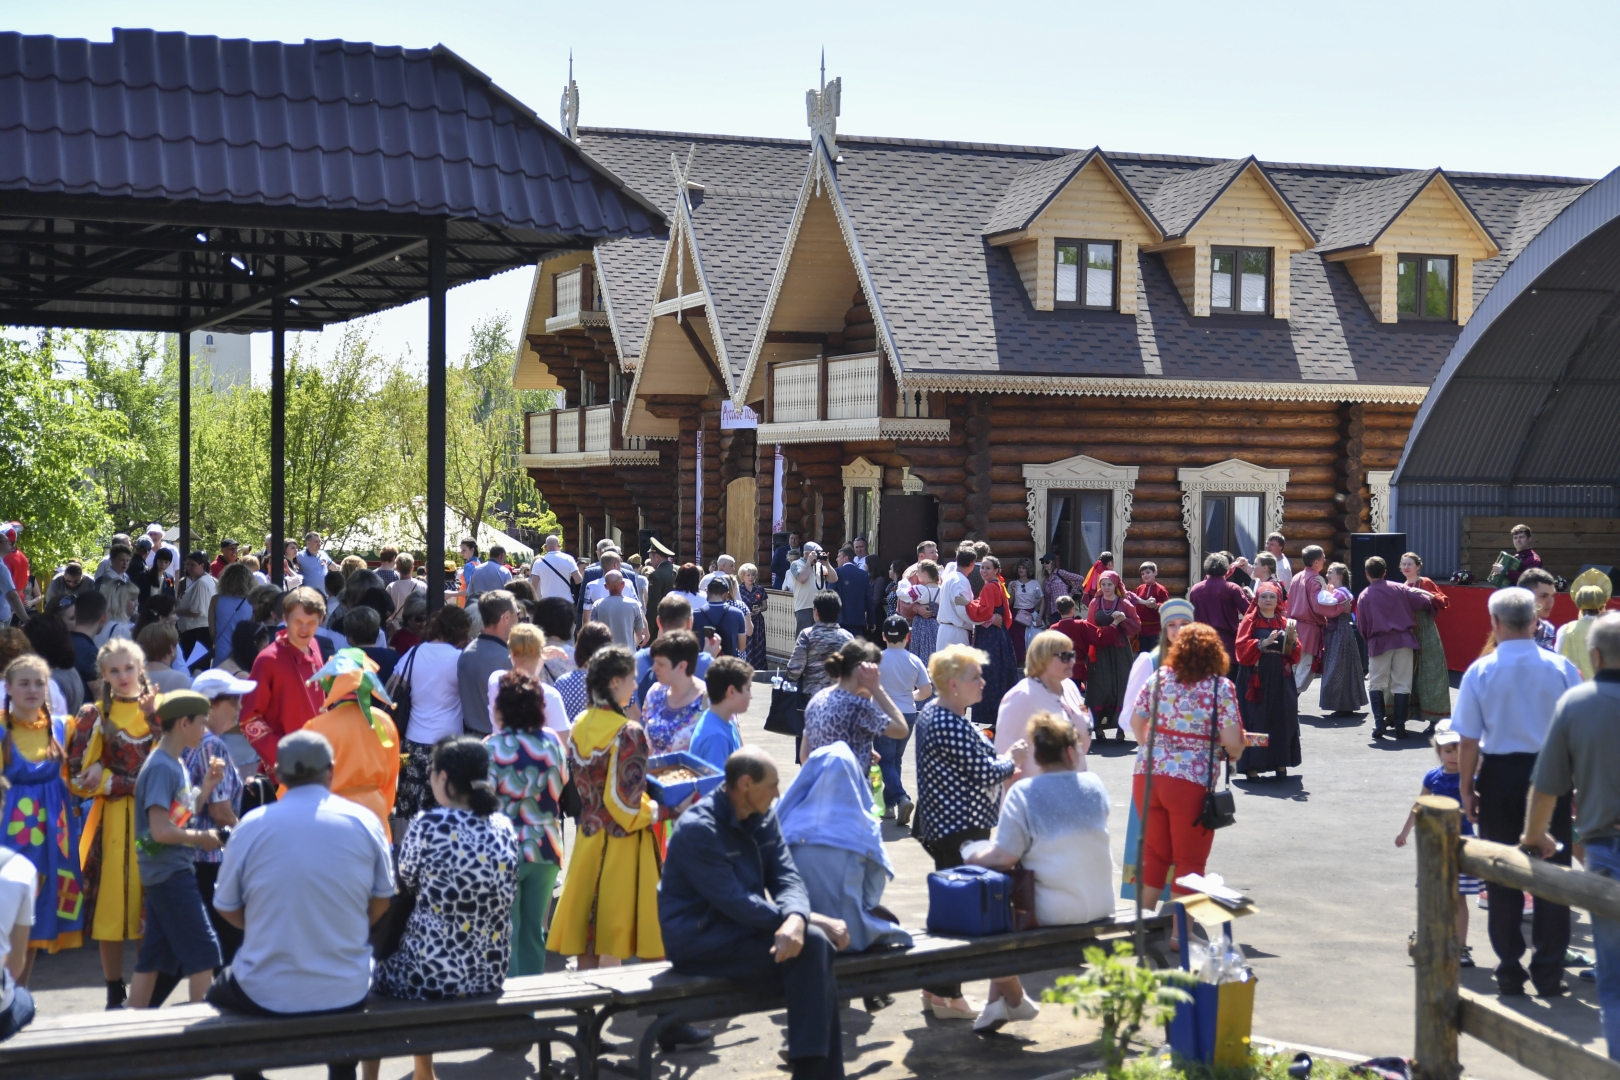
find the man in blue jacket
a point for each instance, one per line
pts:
(732, 906)
(854, 588)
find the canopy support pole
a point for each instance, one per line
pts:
(278, 437)
(438, 277)
(185, 424)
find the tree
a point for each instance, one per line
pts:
(55, 438)
(136, 380)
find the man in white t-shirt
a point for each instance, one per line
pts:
(808, 576)
(955, 593)
(17, 877)
(635, 586)
(313, 563)
(558, 572)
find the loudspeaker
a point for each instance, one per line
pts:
(1363, 546)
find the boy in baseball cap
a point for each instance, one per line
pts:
(225, 692)
(905, 679)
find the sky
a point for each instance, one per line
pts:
(1478, 86)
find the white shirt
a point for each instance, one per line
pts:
(191, 611)
(1057, 824)
(558, 583)
(634, 583)
(804, 592)
(305, 947)
(430, 672)
(17, 878)
(953, 585)
(1506, 700)
(7, 585)
(556, 711)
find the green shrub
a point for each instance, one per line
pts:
(1261, 1067)
(1123, 996)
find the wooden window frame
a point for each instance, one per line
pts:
(1229, 497)
(1080, 282)
(1418, 259)
(1237, 279)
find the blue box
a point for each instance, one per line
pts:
(672, 795)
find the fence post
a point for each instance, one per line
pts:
(1439, 827)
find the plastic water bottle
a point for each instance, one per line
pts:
(878, 807)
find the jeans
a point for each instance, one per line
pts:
(1503, 784)
(1603, 857)
(891, 753)
(227, 995)
(18, 1015)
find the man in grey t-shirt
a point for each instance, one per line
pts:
(622, 614)
(1582, 754)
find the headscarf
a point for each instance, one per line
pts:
(1092, 576)
(351, 673)
(1269, 586)
(830, 803)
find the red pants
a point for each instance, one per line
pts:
(1173, 836)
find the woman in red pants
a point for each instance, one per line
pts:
(1197, 704)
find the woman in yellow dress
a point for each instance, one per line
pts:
(111, 740)
(609, 906)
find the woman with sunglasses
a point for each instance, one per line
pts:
(1048, 687)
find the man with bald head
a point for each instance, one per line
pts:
(732, 905)
(620, 612)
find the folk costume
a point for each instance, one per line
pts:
(609, 903)
(118, 736)
(1431, 679)
(1026, 606)
(919, 602)
(1002, 670)
(1088, 638)
(1307, 605)
(1268, 700)
(1220, 604)
(1591, 591)
(42, 823)
(1344, 682)
(1111, 669)
(365, 744)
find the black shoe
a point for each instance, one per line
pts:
(1397, 719)
(1467, 958)
(1376, 703)
(1509, 989)
(117, 994)
(878, 1002)
(1588, 975)
(683, 1037)
(1552, 990)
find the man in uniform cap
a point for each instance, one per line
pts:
(662, 579)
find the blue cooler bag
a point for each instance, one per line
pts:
(969, 901)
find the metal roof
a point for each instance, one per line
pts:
(1531, 389)
(163, 180)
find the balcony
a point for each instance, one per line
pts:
(838, 399)
(575, 300)
(582, 438)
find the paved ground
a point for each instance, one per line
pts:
(1329, 946)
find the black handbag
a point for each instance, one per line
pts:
(1220, 807)
(399, 691)
(387, 931)
(787, 711)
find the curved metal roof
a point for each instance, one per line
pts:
(1530, 392)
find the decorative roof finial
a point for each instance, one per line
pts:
(821, 110)
(570, 103)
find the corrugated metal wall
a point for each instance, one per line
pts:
(1431, 514)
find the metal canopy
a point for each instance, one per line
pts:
(167, 182)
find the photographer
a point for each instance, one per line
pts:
(807, 576)
(1267, 650)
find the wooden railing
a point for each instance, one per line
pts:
(572, 292)
(841, 388)
(1443, 1008)
(780, 629)
(576, 431)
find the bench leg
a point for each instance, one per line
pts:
(649, 1041)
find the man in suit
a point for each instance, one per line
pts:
(662, 578)
(854, 588)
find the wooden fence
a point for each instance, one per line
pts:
(1443, 1008)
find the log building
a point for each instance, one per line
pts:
(1049, 349)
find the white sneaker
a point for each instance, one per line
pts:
(993, 1016)
(1024, 1010)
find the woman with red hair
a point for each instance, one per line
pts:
(1267, 649)
(1196, 708)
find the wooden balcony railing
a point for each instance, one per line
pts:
(840, 388)
(576, 431)
(572, 292)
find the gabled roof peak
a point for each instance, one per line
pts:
(1364, 211)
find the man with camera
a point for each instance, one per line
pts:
(809, 575)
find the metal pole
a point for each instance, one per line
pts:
(438, 278)
(278, 435)
(185, 419)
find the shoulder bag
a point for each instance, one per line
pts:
(387, 931)
(575, 591)
(399, 691)
(1220, 807)
(1022, 896)
(787, 709)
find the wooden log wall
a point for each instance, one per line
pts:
(1326, 447)
(686, 481)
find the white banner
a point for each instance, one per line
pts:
(697, 521)
(735, 419)
(778, 514)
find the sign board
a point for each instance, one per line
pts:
(735, 419)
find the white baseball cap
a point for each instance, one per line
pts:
(811, 545)
(217, 682)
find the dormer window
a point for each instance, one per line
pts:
(1423, 286)
(1087, 273)
(1240, 280)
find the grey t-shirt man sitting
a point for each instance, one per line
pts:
(305, 920)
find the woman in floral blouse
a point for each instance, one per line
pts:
(1197, 704)
(752, 595)
(529, 769)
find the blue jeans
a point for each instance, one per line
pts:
(18, 1015)
(1603, 857)
(891, 752)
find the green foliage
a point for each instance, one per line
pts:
(1260, 1067)
(53, 433)
(135, 379)
(1123, 995)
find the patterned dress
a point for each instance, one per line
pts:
(959, 776)
(575, 697)
(529, 771)
(457, 942)
(1431, 680)
(753, 598)
(42, 822)
(119, 743)
(669, 731)
(1344, 684)
(924, 629)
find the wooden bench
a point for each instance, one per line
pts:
(654, 989)
(197, 1040)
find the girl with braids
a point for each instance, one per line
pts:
(609, 906)
(41, 818)
(110, 742)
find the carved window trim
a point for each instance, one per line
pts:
(1079, 473)
(1235, 475)
(857, 475)
(1378, 481)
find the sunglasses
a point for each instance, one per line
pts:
(1066, 657)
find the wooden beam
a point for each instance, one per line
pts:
(671, 406)
(1535, 1046)
(680, 303)
(703, 353)
(1439, 824)
(1509, 866)
(795, 337)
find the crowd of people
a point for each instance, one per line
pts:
(175, 744)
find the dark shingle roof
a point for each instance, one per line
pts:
(629, 273)
(956, 305)
(1363, 211)
(740, 239)
(1032, 189)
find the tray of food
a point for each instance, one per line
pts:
(672, 778)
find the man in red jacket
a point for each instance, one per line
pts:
(285, 700)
